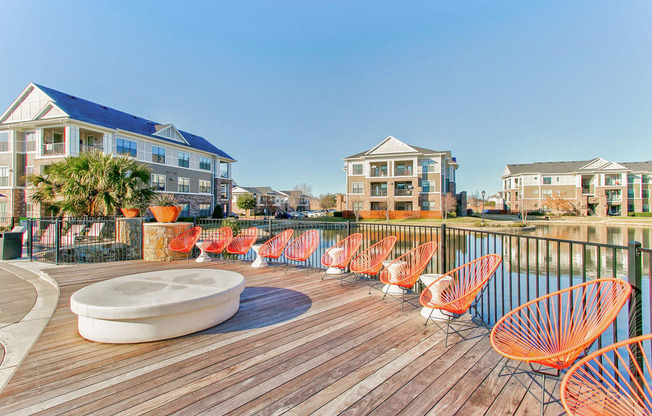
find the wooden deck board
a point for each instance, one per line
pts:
(297, 346)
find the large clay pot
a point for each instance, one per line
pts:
(130, 212)
(166, 214)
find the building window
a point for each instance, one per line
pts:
(184, 184)
(184, 160)
(646, 193)
(425, 205)
(427, 166)
(535, 192)
(377, 206)
(356, 169)
(185, 210)
(428, 186)
(645, 178)
(630, 178)
(630, 193)
(646, 208)
(224, 194)
(30, 211)
(158, 182)
(4, 176)
(4, 214)
(158, 154)
(4, 141)
(204, 210)
(126, 147)
(204, 186)
(357, 206)
(30, 141)
(547, 180)
(356, 188)
(204, 163)
(546, 193)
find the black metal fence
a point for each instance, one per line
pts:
(84, 240)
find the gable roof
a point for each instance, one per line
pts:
(92, 113)
(575, 166)
(388, 138)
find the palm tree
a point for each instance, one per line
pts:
(92, 183)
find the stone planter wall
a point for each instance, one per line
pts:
(157, 237)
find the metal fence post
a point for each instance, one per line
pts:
(442, 250)
(634, 277)
(348, 228)
(30, 238)
(269, 226)
(57, 234)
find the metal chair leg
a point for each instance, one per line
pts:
(369, 285)
(543, 392)
(428, 318)
(402, 298)
(448, 325)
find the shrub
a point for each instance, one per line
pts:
(337, 214)
(218, 212)
(233, 224)
(452, 214)
(640, 214)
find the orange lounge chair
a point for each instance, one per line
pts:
(370, 261)
(339, 256)
(184, 242)
(302, 247)
(241, 244)
(273, 248)
(406, 269)
(217, 242)
(612, 381)
(466, 282)
(556, 329)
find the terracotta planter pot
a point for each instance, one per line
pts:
(130, 212)
(165, 214)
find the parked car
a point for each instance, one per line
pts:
(282, 215)
(233, 215)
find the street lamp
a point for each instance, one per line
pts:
(483, 208)
(255, 205)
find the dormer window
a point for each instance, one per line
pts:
(168, 131)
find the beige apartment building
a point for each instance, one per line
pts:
(589, 187)
(399, 180)
(44, 125)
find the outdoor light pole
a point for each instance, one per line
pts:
(483, 208)
(255, 205)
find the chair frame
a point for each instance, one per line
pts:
(245, 238)
(374, 268)
(453, 309)
(578, 351)
(193, 234)
(313, 242)
(216, 237)
(638, 385)
(356, 239)
(410, 280)
(273, 248)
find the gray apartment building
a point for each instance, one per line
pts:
(44, 125)
(588, 187)
(402, 179)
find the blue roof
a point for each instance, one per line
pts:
(89, 112)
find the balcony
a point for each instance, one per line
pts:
(224, 174)
(613, 181)
(401, 170)
(379, 192)
(588, 190)
(91, 148)
(403, 192)
(51, 149)
(378, 173)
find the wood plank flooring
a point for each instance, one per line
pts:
(297, 346)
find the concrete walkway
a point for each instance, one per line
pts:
(27, 303)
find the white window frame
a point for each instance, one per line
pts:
(200, 186)
(157, 182)
(353, 186)
(182, 179)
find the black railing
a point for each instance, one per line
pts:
(84, 240)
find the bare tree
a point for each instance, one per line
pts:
(304, 188)
(327, 201)
(448, 204)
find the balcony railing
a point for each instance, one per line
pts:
(613, 182)
(587, 190)
(50, 149)
(402, 192)
(378, 174)
(405, 172)
(91, 148)
(617, 198)
(224, 174)
(379, 192)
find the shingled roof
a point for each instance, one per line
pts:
(90, 112)
(570, 167)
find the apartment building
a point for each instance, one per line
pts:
(268, 200)
(44, 125)
(405, 180)
(589, 187)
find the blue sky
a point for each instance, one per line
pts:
(289, 88)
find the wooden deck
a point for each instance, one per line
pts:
(297, 346)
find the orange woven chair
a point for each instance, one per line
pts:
(184, 242)
(466, 282)
(370, 261)
(556, 329)
(340, 255)
(273, 248)
(406, 269)
(218, 241)
(302, 247)
(612, 381)
(242, 243)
